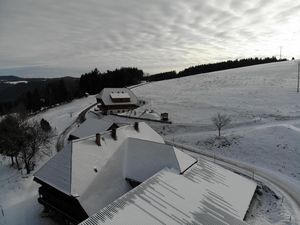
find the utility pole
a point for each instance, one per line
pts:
(280, 52)
(298, 77)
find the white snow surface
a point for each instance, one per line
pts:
(261, 101)
(245, 94)
(105, 96)
(16, 82)
(91, 126)
(62, 116)
(135, 154)
(205, 194)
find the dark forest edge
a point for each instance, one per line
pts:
(46, 93)
(212, 67)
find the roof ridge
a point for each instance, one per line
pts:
(121, 128)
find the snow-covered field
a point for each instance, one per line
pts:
(19, 193)
(246, 94)
(261, 100)
(263, 105)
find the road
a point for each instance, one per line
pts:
(79, 119)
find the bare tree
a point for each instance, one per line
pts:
(36, 138)
(23, 139)
(220, 121)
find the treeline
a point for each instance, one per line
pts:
(162, 76)
(94, 81)
(44, 95)
(53, 92)
(211, 67)
(59, 90)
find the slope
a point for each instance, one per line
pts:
(246, 94)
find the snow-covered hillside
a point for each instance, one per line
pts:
(261, 100)
(250, 93)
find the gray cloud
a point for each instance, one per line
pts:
(155, 35)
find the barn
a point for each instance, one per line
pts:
(116, 100)
(130, 176)
(92, 172)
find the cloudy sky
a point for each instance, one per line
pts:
(74, 36)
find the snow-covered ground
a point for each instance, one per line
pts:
(246, 94)
(261, 100)
(62, 116)
(16, 82)
(273, 146)
(19, 193)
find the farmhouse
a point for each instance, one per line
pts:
(116, 100)
(94, 171)
(133, 177)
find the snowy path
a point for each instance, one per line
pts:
(63, 135)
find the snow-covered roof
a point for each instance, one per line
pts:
(97, 174)
(91, 126)
(115, 96)
(206, 194)
(57, 171)
(107, 95)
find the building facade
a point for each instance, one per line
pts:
(116, 100)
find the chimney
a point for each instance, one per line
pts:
(98, 139)
(136, 126)
(114, 133)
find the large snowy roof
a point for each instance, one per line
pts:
(107, 95)
(57, 171)
(91, 126)
(206, 194)
(97, 173)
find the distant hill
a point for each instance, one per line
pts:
(13, 87)
(10, 78)
(11, 92)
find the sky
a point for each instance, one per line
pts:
(69, 37)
